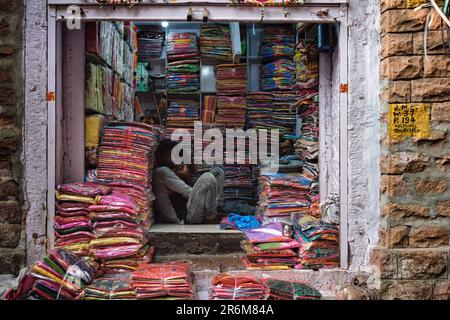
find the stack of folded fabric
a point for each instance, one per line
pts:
(319, 245)
(183, 45)
(125, 161)
(110, 287)
(287, 290)
(61, 275)
(238, 184)
(306, 61)
(278, 41)
(182, 113)
(183, 76)
(215, 41)
(277, 75)
(150, 42)
(283, 196)
(170, 280)
(233, 287)
(232, 79)
(231, 111)
(209, 109)
(259, 110)
(284, 111)
(269, 247)
(73, 226)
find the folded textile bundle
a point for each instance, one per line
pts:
(278, 41)
(170, 280)
(125, 161)
(239, 183)
(269, 247)
(182, 113)
(183, 76)
(182, 45)
(61, 275)
(215, 41)
(150, 41)
(232, 79)
(231, 111)
(110, 287)
(259, 110)
(287, 290)
(231, 287)
(209, 109)
(283, 196)
(284, 111)
(277, 75)
(306, 61)
(319, 245)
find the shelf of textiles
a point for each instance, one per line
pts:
(115, 44)
(107, 94)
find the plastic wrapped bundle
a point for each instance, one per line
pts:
(182, 45)
(61, 275)
(319, 245)
(110, 287)
(215, 41)
(183, 76)
(287, 290)
(169, 280)
(232, 79)
(150, 42)
(182, 113)
(277, 75)
(278, 41)
(232, 287)
(231, 111)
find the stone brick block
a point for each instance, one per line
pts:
(397, 237)
(12, 260)
(434, 43)
(401, 162)
(436, 136)
(10, 235)
(430, 90)
(436, 66)
(385, 261)
(9, 189)
(431, 186)
(396, 44)
(422, 264)
(4, 73)
(443, 208)
(441, 290)
(397, 211)
(6, 51)
(403, 20)
(402, 67)
(427, 237)
(392, 4)
(440, 112)
(406, 290)
(393, 185)
(10, 211)
(396, 91)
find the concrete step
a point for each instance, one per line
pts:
(171, 239)
(328, 281)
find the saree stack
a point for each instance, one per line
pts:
(182, 113)
(233, 287)
(182, 45)
(286, 290)
(215, 42)
(183, 76)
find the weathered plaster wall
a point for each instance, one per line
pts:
(35, 127)
(12, 239)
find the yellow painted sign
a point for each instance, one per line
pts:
(409, 120)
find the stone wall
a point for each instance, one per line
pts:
(413, 251)
(12, 248)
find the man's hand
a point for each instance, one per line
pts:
(183, 171)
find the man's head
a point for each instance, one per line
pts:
(164, 153)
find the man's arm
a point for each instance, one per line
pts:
(173, 182)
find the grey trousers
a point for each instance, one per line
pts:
(203, 199)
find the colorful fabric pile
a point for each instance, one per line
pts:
(232, 287)
(269, 247)
(286, 290)
(306, 60)
(319, 245)
(239, 184)
(183, 45)
(283, 196)
(182, 113)
(259, 110)
(277, 75)
(215, 41)
(232, 79)
(110, 287)
(183, 76)
(284, 111)
(125, 161)
(209, 109)
(231, 111)
(278, 41)
(61, 275)
(150, 42)
(170, 280)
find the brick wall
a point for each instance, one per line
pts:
(413, 252)
(12, 250)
